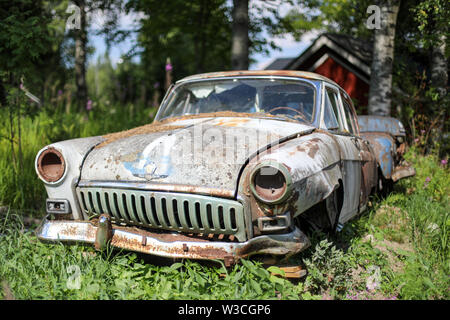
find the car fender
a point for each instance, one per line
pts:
(74, 152)
(314, 163)
(384, 149)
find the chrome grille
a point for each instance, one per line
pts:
(164, 210)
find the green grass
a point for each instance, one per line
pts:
(402, 241)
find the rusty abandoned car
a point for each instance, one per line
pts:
(235, 164)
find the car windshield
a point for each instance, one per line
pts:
(286, 98)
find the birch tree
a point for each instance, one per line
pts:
(382, 61)
(439, 67)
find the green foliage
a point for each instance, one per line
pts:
(195, 35)
(24, 37)
(432, 17)
(346, 17)
(328, 268)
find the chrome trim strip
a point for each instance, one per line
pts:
(136, 185)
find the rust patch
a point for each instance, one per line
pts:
(69, 231)
(129, 157)
(401, 149)
(231, 123)
(164, 125)
(217, 192)
(313, 150)
(148, 128)
(207, 252)
(223, 114)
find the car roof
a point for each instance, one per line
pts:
(244, 73)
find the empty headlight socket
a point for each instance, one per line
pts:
(51, 165)
(281, 171)
(275, 218)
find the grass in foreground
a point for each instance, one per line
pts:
(398, 249)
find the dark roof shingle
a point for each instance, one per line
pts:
(279, 64)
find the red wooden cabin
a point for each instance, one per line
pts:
(343, 59)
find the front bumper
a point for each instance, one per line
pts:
(401, 172)
(173, 245)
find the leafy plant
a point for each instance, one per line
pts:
(328, 268)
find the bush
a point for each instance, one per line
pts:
(328, 269)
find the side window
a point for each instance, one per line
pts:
(330, 116)
(349, 116)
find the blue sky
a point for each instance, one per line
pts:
(289, 47)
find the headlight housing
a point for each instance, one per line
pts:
(50, 165)
(271, 182)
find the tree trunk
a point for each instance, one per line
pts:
(2, 94)
(80, 56)
(240, 41)
(380, 94)
(439, 80)
(201, 38)
(439, 67)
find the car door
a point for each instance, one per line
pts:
(367, 156)
(349, 148)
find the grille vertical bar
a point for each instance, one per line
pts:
(183, 216)
(114, 205)
(215, 217)
(171, 213)
(131, 206)
(160, 213)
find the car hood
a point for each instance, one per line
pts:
(198, 154)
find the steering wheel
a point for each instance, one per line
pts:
(289, 108)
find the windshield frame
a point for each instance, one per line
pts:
(315, 84)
